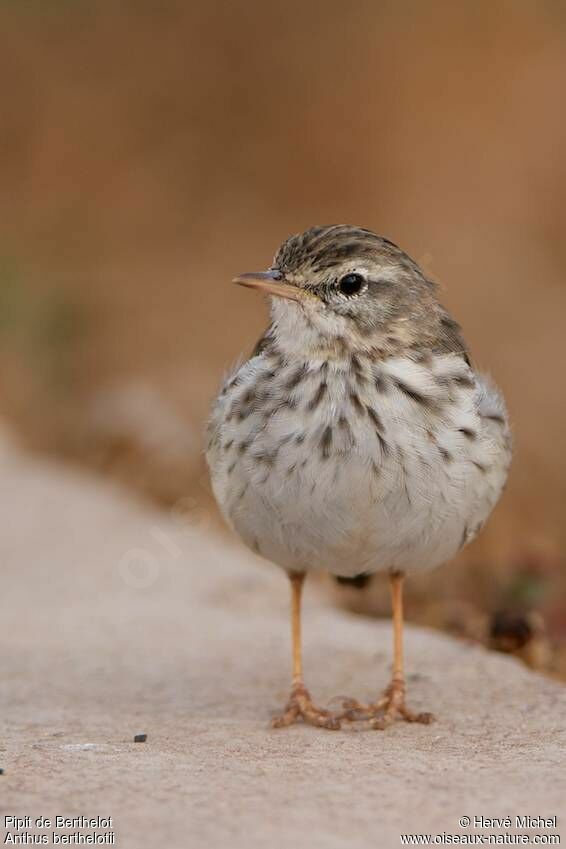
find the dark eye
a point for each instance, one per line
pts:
(351, 284)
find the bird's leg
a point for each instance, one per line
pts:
(392, 704)
(300, 705)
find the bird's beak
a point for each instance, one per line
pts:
(270, 283)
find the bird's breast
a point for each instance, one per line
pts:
(332, 463)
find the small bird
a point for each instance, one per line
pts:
(358, 437)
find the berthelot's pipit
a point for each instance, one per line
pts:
(358, 437)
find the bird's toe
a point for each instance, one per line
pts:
(301, 707)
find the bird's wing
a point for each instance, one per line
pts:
(450, 338)
(217, 415)
(263, 342)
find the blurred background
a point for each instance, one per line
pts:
(150, 151)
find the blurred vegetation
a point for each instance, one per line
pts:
(41, 337)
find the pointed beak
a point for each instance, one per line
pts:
(270, 283)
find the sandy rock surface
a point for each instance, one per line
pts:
(118, 620)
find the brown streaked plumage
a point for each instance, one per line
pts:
(357, 438)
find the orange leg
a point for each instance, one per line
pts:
(300, 705)
(392, 704)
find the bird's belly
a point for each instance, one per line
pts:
(340, 520)
(362, 510)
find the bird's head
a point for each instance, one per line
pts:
(343, 287)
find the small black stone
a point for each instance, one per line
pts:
(140, 738)
(1, 771)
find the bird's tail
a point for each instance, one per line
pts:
(358, 581)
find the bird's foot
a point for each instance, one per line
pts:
(300, 706)
(385, 711)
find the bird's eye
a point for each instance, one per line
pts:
(351, 284)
